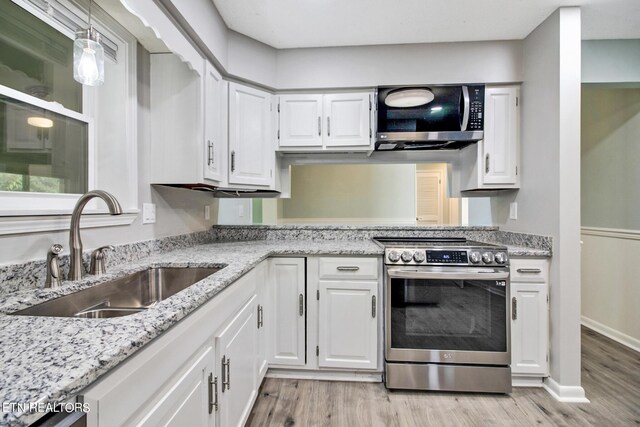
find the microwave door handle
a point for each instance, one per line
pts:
(413, 274)
(467, 107)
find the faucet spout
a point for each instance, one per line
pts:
(75, 242)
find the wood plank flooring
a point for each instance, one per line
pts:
(610, 376)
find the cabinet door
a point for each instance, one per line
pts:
(500, 154)
(251, 150)
(287, 312)
(347, 120)
(187, 401)
(347, 324)
(300, 121)
(236, 347)
(529, 328)
(215, 144)
(261, 275)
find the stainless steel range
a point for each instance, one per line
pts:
(446, 315)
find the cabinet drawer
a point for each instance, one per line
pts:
(529, 270)
(348, 268)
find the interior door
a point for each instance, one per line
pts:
(215, 144)
(429, 196)
(300, 121)
(347, 120)
(251, 151)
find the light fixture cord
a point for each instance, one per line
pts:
(90, 1)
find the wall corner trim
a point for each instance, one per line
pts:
(565, 393)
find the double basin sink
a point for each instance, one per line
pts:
(130, 294)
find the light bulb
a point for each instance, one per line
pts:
(87, 68)
(88, 58)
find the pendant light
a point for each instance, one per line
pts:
(88, 56)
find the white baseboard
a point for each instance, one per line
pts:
(517, 381)
(614, 334)
(298, 374)
(565, 393)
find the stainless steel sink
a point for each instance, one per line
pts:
(120, 297)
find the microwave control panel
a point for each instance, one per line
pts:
(476, 106)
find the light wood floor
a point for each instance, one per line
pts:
(610, 376)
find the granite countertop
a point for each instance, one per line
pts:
(48, 360)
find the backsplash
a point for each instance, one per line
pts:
(31, 275)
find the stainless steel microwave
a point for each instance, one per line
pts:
(429, 117)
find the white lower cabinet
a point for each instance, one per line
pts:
(287, 309)
(262, 280)
(186, 402)
(347, 324)
(236, 347)
(202, 372)
(529, 317)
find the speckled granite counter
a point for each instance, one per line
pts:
(46, 359)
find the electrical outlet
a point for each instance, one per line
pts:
(241, 211)
(148, 213)
(513, 210)
(207, 212)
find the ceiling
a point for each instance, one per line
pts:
(313, 23)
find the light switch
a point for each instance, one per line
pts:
(241, 211)
(207, 212)
(513, 210)
(148, 213)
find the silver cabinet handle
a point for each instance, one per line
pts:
(233, 161)
(209, 153)
(301, 305)
(514, 308)
(348, 268)
(486, 163)
(373, 306)
(213, 393)
(328, 126)
(529, 270)
(465, 114)
(226, 373)
(319, 126)
(260, 318)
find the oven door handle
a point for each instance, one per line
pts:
(458, 275)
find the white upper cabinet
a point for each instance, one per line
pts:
(500, 135)
(215, 125)
(492, 163)
(300, 120)
(347, 119)
(331, 122)
(251, 148)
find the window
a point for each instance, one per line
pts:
(59, 139)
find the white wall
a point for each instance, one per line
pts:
(251, 60)
(611, 61)
(178, 211)
(549, 201)
(351, 194)
(361, 66)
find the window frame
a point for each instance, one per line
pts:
(25, 212)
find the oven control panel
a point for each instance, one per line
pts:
(469, 257)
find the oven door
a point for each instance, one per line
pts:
(447, 315)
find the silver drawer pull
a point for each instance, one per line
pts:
(213, 393)
(226, 373)
(348, 268)
(529, 270)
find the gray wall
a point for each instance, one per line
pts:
(611, 157)
(356, 193)
(608, 61)
(549, 201)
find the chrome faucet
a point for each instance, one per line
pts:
(75, 243)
